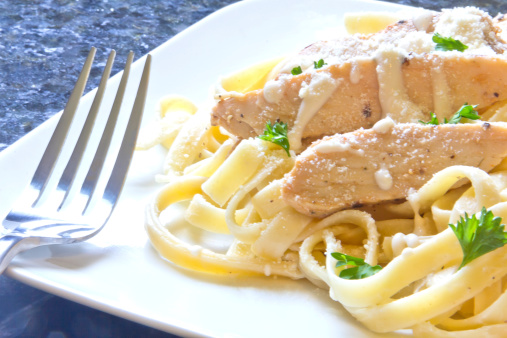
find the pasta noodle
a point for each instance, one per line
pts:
(232, 187)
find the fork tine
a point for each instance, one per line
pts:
(34, 226)
(122, 164)
(75, 159)
(92, 176)
(48, 161)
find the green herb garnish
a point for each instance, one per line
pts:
(479, 236)
(296, 70)
(319, 64)
(466, 111)
(432, 121)
(277, 134)
(360, 269)
(447, 44)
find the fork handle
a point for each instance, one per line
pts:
(10, 246)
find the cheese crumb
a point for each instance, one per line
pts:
(273, 91)
(383, 178)
(423, 20)
(333, 145)
(384, 125)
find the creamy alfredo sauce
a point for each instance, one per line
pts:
(314, 94)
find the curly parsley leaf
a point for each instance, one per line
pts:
(448, 44)
(319, 64)
(432, 121)
(479, 236)
(360, 269)
(277, 134)
(466, 111)
(296, 70)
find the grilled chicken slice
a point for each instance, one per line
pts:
(357, 103)
(382, 163)
(395, 73)
(431, 83)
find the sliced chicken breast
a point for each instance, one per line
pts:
(431, 83)
(383, 163)
(395, 73)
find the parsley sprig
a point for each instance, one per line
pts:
(466, 111)
(316, 64)
(360, 269)
(277, 134)
(448, 44)
(479, 236)
(319, 64)
(433, 121)
(296, 70)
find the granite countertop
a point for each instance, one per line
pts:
(43, 45)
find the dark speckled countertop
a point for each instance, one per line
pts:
(43, 44)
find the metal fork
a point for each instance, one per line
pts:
(62, 215)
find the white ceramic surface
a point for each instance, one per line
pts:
(118, 271)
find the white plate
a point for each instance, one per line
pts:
(118, 271)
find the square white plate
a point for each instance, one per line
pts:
(118, 271)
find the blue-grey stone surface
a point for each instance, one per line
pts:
(43, 44)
